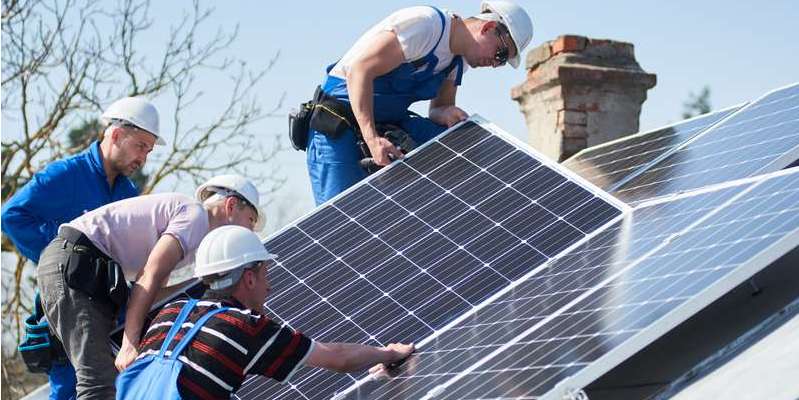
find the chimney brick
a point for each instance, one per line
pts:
(568, 43)
(580, 92)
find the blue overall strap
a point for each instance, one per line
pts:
(196, 328)
(184, 313)
(457, 62)
(421, 61)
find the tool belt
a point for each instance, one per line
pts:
(332, 117)
(91, 271)
(324, 113)
(40, 350)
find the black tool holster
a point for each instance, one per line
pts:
(300, 122)
(92, 272)
(323, 113)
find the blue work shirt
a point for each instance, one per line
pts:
(61, 192)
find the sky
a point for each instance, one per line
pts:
(739, 49)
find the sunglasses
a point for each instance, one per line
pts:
(503, 52)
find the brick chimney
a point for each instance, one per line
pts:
(581, 92)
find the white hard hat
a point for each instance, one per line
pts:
(226, 249)
(516, 20)
(137, 111)
(223, 184)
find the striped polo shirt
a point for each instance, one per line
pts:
(230, 346)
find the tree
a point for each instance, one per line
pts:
(697, 104)
(64, 60)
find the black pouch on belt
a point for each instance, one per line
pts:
(91, 271)
(99, 278)
(299, 123)
(332, 116)
(87, 273)
(118, 290)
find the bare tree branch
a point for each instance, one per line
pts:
(64, 60)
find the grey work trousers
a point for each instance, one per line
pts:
(81, 323)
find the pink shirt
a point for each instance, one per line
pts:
(127, 230)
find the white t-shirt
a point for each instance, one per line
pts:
(417, 29)
(127, 230)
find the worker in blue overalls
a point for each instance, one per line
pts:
(415, 54)
(67, 188)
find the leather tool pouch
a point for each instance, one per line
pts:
(332, 116)
(329, 119)
(97, 277)
(299, 123)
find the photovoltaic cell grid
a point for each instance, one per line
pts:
(590, 307)
(760, 138)
(404, 253)
(608, 165)
(541, 296)
(686, 273)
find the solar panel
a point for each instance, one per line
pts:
(759, 138)
(610, 164)
(575, 319)
(407, 251)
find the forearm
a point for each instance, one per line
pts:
(442, 109)
(436, 114)
(141, 299)
(162, 259)
(357, 357)
(360, 86)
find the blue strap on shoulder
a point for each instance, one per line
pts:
(196, 328)
(422, 61)
(457, 62)
(443, 27)
(184, 313)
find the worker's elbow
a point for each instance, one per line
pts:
(360, 72)
(152, 280)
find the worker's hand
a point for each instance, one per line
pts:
(448, 116)
(127, 354)
(399, 353)
(383, 152)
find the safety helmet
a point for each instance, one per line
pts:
(223, 185)
(516, 19)
(225, 250)
(136, 111)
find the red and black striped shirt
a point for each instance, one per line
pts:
(230, 346)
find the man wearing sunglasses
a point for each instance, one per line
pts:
(415, 54)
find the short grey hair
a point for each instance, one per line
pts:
(224, 283)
